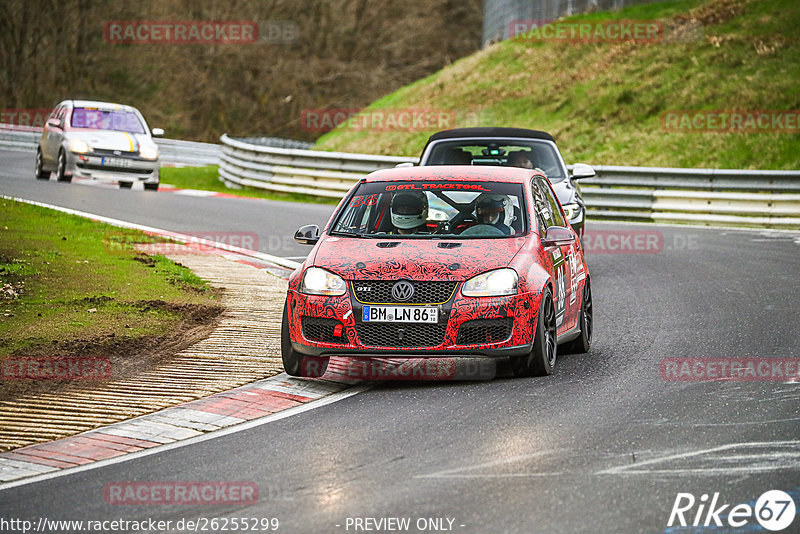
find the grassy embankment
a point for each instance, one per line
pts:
(604, 101)
(71, 286)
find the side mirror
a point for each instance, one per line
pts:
(404, 164)
(307, 235)
(54, 122)
(557, 236)
(157, 132)
(582, 170)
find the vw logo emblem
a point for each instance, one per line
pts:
(402, 291)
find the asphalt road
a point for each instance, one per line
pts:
(270, 226)
(606, 444)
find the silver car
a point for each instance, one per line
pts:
(99, 141)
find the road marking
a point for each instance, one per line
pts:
(758, 461)
(734, 423)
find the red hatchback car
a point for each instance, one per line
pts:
(450, 261)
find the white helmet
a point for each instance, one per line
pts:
(409, 209)
(494, 209)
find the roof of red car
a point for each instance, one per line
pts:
(460, 173)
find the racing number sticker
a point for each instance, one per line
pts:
(361, 200)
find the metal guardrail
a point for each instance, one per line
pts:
(188, 153)
(310, 172)
(704, 196)
(701, 196)
(23, 140)
(172, 151)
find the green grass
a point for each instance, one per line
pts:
(604, 101)
(67, 278)
(207, 179)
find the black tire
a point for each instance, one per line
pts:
(125, 185)
(61, 169)
(295, 363)
(151, 187)
(582, 343)
(41, 174)
(542, 358)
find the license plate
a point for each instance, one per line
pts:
(399, 314)
(116, 162)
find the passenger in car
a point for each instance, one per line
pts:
(495, 210)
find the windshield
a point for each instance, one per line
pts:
(526, 153)
(434, 210)
(100, 119)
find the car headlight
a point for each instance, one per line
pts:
(491, 284)
(571, 210)
(148, 152)
(318, 281)
(79, 146)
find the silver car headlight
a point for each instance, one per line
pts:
(571, 210)
(318, 281)
(79, 146)
(492, 284)
(148, 152)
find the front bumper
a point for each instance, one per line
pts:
(113, 168)
(479, 327)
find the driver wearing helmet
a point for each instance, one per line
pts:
(409, 211)
(494, 210)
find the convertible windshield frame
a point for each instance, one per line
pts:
(555, 172)
(366, 213)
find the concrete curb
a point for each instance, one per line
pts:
(182, 422)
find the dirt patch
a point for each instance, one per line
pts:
(714, 13)
(128, 357)
(145, 259)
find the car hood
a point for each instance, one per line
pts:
(413, 259)
(111, 140)
(566, 192)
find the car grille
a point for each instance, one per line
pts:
(485, 331)
(109, 152)
(401, 335)
(320, 329)
(380, 292)
(113, 169)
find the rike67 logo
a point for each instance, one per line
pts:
(774, 510)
